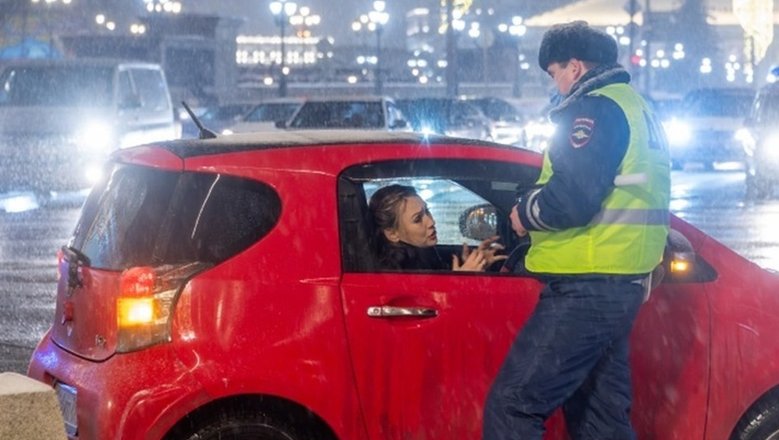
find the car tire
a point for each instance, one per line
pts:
(237, 424)
(761, 422)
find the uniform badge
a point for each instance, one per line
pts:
(581, 132)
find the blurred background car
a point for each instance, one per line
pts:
(508, 123)
(349, 112)
(215, 117)
(760, 141)
(266, 114)
(452, 117)
(61, 118)
(704, 129)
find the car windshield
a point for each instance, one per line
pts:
(340, 114)
(56, 86)
(224, 112)
(724, 104)
(271, 112)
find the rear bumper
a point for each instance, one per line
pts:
(137, 395)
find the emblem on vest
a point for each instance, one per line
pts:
(581, 132)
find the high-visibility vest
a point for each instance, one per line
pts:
(628, 235)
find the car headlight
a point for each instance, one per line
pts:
(679, 132)
(95, 136)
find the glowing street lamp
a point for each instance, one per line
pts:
(282, 11)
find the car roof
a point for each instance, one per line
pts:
(77, 62)
(347, 98)
(238, 142)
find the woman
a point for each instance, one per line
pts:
(405, 235)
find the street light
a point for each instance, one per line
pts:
(378, 18)
(281, 11)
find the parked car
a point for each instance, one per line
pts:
(61, 118)
(266, 115)
(215, 117)
(508, 123)
(760, 140)
(225, 287)
(706, 124)
(352, 112)
(447, 116)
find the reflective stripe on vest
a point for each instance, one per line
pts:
(628, 235)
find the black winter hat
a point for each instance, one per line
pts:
(576, 40)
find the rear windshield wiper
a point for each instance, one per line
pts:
(76, 259)
(74, 255)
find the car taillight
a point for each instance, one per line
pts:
(144, 306)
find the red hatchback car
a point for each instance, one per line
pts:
(224, 288)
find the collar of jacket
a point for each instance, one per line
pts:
(596, 78)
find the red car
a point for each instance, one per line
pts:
(224, 288)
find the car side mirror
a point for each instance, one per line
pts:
(479, 222)
(681, 264)
(280, 124)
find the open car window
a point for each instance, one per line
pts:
(449, 186)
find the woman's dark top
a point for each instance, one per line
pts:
(403, 256)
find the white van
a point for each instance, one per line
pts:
(59, 119)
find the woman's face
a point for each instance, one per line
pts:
(415, 224)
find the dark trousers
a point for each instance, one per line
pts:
(572, 352)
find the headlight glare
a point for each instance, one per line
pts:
(679, 132)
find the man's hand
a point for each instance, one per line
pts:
(516, 224)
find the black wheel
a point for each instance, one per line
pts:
(761, 422)
(235, 424)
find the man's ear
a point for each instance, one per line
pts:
(579, 67)
(392, 235)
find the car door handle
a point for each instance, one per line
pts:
(409, 312)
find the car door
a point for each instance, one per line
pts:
(427, 345)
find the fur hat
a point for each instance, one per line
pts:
(576, 40)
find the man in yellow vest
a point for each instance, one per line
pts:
(598, 220)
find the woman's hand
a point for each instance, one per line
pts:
(480, 258)
(473, 261)
(490, 247)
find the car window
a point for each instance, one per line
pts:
(126, 92)
(718, 104)
(766, 110)
(151, 87)
(272, 112)
(340, 114)
(446, 201)
(143, 216)
(449, 186)
(55, 86)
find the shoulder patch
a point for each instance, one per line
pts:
(581, 132)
